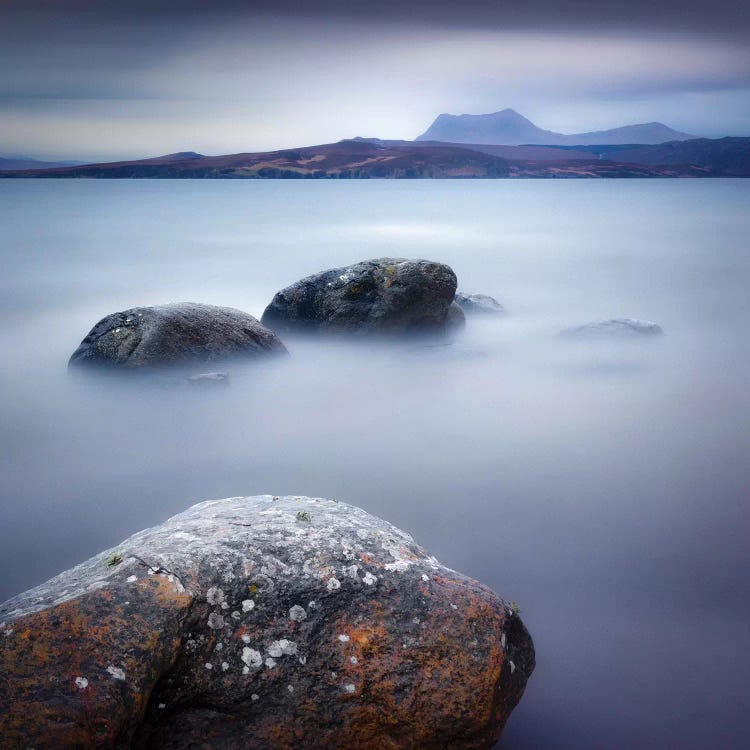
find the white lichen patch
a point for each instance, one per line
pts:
(350, 688)
(400, 566)
(215, 595)
(131, 579)
(283, 647)
(290, 688)
(369, 579)
(81, 683)
(297, 613)
(224, 666)
(503, 640)
(353, 660)
(236, 615)
(270, 663)
(251, 657)
(333, 584)
(425, 577)
(247, 605)
(245, 670)
(344, 638)
(162, 706)
(512, 667)
(215, 621)
(208, 665)
(254, 697)
(245, 638)
(116, 672)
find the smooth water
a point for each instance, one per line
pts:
(603, 487)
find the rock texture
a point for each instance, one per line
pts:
(614, 329)
(386, 295)
(261, 622)
(479, 304)
(179, 334)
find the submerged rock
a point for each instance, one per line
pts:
(455, 320)
(177, 334)
(386, 295)
(261, 622)
(479, 304)
(209, 379)
(614, 329)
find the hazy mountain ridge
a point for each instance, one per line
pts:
(22, 162)
(509, 128)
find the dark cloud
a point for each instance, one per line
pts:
(722, 17)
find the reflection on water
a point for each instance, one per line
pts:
(602, 485)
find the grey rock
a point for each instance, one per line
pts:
(617, 328)
(385, 295)
(479, 304)
(176, 334)
(261, 622)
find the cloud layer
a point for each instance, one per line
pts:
(110, 84)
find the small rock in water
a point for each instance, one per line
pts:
(479, 304)
(209, 379)
(458, 674)
(614, 329)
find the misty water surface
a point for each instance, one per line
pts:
(603, 487)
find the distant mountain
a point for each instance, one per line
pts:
(21, 162)
(511, 129)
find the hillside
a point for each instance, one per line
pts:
(362, 158)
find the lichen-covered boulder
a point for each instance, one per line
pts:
(617, 328)
(479, 304)
(261, 622)
(187, 333)
(386, 295)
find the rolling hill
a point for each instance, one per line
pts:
(363, 158)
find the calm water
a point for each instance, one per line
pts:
(604, 488)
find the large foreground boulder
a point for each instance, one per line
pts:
(261, 622)
(386, 295)
(179, 334)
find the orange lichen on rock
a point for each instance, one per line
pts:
(247, 628)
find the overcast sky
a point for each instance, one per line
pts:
(106, 80)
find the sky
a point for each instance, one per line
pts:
(115, 80)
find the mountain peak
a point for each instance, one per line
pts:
(510, 128)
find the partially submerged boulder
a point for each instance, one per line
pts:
(479, 304)
(455, 320)
(261, 622)
(617, 328)
(386, 295)
(178, 334)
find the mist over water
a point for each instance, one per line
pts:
(602, 486)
